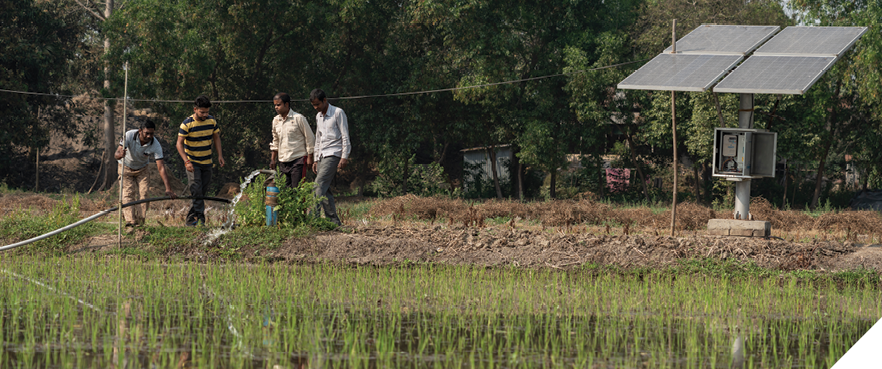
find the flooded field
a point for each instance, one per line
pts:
(100, 312)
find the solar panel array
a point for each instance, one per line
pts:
(678, 72)
(703, 57)
(731, 40)
(812, 41)
(791, 75)
(792, 61)
(788, 63)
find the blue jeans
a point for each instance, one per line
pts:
(198, 180)
(327, 168)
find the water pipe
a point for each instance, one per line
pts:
(103, 213)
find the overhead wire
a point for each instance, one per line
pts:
(410, 93)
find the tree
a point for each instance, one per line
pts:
(35, 45)
(847, 100)
(108, 128)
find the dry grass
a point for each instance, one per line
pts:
(566, 213)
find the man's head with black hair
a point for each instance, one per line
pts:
(202, 102)
(146, 131)
(319, 100)
(200, 108)
(282, 103)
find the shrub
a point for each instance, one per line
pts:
(294, 205)
(420, 179)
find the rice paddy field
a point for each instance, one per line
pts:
(105, 311)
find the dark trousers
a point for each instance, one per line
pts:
(198, 179)
(294, 171)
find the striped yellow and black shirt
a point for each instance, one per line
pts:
(198, 138)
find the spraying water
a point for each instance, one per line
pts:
(228, 225)
(244, 184)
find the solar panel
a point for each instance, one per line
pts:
(679, 72)
(812, 41)
(776, 74)
(712, 39)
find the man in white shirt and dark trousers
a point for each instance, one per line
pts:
(134, 153)
(331, 150)
(292, 143)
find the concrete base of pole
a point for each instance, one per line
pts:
(745, 228)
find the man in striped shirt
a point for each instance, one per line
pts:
(195, 137)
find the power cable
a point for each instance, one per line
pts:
(450, 89)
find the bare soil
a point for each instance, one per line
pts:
(557, 234)
(505, 246)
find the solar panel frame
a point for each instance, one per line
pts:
(726, 40)
(776, 74)
(811, 41)
(680, 72)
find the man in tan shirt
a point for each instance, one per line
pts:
(293, 141)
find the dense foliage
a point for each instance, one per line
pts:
(294, 204)
(233, 50)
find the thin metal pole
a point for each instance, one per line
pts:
(674, 129)
(122, 171)
(37, 182)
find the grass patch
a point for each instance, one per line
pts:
(171, 238)
(22, 224)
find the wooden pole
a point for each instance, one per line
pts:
(674, 128)
(123, 167)
(37, 180)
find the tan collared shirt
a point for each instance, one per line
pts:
(292, 137)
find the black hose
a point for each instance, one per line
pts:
(103, 213)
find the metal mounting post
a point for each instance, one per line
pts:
(742, 188)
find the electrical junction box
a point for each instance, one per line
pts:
(744, 153)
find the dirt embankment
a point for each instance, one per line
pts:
(560, 234)
(504, 246)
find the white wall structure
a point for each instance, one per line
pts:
(479, 156)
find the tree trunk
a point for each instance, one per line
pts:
(831, 122)
(795, 184)
(637, 165)
(865, 179)
(491, 151)
(516, 167)
(695, 183)
(784, 198)
(817, 193)
(109, 129)
(521, 181)
(406, 175)
(552, 191)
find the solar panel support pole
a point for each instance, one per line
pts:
(742, 188)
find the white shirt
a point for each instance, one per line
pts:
(137, 155)
(332, 134)
(292, 137)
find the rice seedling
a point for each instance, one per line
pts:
(101, 312)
